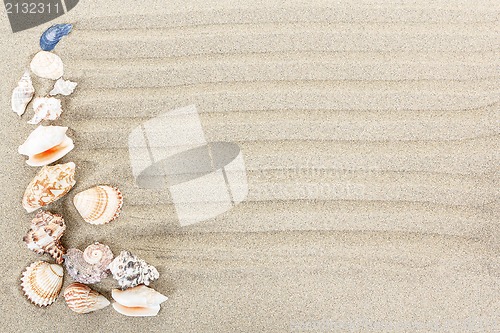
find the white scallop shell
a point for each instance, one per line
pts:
(22, 94)
(47, 65)
(140, 296)
(63, 87)
(50, 184)
(99, 205)
(42, 282)
(46, 144)
(81, 299)
(45, 108)
(149, 311)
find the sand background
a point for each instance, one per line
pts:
(370, 135)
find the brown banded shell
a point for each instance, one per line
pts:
(45, 234)
(50, 184)
(42, 282)
(89, 266)
(99, 205)
(131, 271)
(81, 299)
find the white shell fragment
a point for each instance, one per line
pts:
(140, 296)
(81, 299)
(131, 271)
(42, 282)
(45, 108)
(47, 65)
(63, 87)
(149, 311)
(22, 94)
(46, 144)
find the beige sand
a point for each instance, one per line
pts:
(370, 135)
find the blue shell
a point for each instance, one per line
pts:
(53, 35)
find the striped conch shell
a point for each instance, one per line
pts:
(45, 234)
(46, 144)
(50, 184)
(22, 94)
(89, 266)
(81, 299)
(47, 65)
(42, 282)
(99, 205)
(138, 301)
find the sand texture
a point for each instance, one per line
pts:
(370, 135)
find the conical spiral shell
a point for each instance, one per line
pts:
(90, 266)
(99, 205)
(45, 234)
(42, 282)
(22, 94)
(139, 296)
(47, 65)
(81, 299)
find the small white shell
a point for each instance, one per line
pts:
(81, 299)
(22, 94)
(63, 87)
(45, 109)
(149, 311)
(42, 282)
(46, 144)
(140, 296)
(47, 65)
(99, 205)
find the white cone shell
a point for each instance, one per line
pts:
(47, 65)
(42, 282)
(99, 205)
(137, 311)
(140, 296)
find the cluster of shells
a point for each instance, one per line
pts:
(42, 281)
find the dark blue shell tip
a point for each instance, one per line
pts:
(53, 35)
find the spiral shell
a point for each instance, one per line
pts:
(99, 205)
(81, 299)
(50, 184)
(47, 65)
(131, 271)
(42, 282)
(45, 234)
(22, 94)
(90, 266)
(53, 35)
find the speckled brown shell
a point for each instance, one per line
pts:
(89, 266)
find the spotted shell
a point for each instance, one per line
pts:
(131, 271)
(42, 282)
(82, 299)
(99, 205)
(45, 234)
(47, 65)
(89, 266)
(50, 184)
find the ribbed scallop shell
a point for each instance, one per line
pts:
(47, 65)
(45, 108)
(22, 94)
(63, 87)
(131, 271)
(53, 35)
(81, 299)
(42, 282)
(45, 234)
(50, 184)
(99, 205)
(90, 266)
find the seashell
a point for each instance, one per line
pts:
(50, 184)
(45, 109)
(22, 94)
(131, 271)
(45, 234)
(47, 65)
(81, 299)
(63, 87)
(53, 35)
(99, 205)
(46, 144)
(89, 266)
(149, 311)
(42, 282)
(140, 296)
